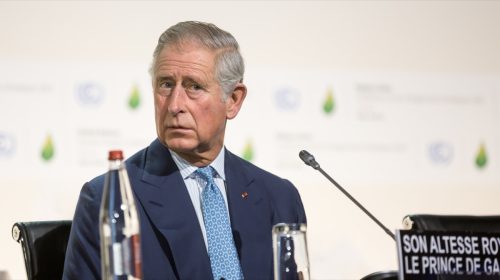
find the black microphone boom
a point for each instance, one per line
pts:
(309, 160)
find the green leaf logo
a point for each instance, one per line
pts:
(329, 103)
(135, 98)
(481, 158)
(48, 149)
(248, 152)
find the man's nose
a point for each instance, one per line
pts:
(176, 100)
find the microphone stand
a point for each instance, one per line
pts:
(309, 160)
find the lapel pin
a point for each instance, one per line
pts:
(244, 195)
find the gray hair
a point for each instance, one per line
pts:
(229, 65)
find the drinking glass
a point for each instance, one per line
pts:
(291, 260)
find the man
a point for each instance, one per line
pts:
(197, 76)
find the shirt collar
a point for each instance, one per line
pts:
(186, 169)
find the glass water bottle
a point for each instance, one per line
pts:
(119, 226)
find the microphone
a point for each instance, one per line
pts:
(308, 159)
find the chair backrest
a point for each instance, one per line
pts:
(382, 275)
(452, 223)
(44, 247)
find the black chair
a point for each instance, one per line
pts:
(44, 247)
(452, 223)
(382, 275)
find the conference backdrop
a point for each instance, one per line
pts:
(400, 141)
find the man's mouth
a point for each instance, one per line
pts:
(177, 127)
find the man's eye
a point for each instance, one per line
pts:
(165, 85)
(196, 87)
(165, 88)
(194, 90)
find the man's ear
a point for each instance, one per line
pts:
(235, 100)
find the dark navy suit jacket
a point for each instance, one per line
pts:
(172, 241)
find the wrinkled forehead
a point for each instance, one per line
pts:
(190, 46)
(185, 60)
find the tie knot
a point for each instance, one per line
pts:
(207, 173)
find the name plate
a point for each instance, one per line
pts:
(448, 255)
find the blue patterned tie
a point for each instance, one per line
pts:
(221, 249)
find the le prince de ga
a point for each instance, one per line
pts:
(451, 254)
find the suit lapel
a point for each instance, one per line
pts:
(239, 193)
(250, 218)
(168, 206)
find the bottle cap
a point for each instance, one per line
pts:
(115, 155)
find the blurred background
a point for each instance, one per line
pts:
(398, 100)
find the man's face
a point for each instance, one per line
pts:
(190, 111)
